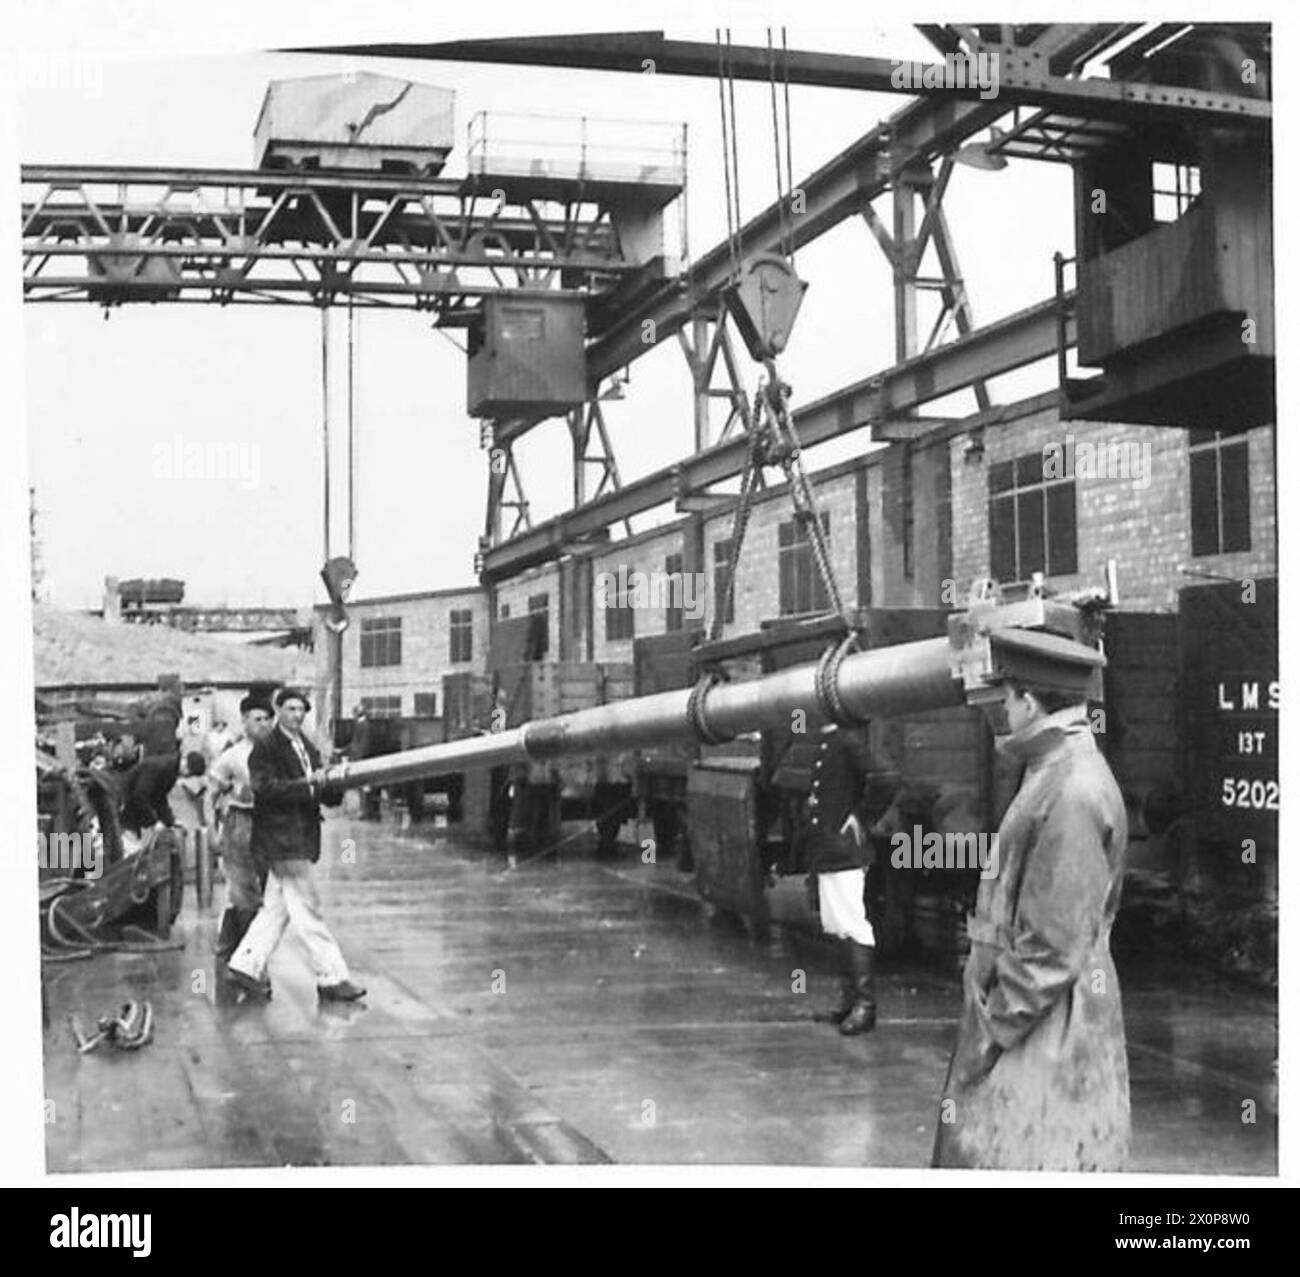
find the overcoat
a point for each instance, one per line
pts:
(1039, 1076)
(286, 814)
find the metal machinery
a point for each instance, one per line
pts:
(1180, 326)
(92, 887)
(354, 121)
(1174, 236)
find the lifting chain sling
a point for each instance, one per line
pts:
(763, 300)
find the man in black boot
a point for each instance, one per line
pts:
(231, 796)
(848, 991)
(850, 787)
(862, 1015)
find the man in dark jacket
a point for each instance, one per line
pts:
(143, 782)
(288, 787)
(850, 787)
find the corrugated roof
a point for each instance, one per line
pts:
(73, 648)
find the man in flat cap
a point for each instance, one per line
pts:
(288, 788)
(1039, 1076)
(231, 801)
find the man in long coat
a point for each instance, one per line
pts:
(1039, 1076)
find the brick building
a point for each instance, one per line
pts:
(915, 524)
(907, 525)
(397, 648)
(1170, 506)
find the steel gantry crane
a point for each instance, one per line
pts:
(1216, 79)
(1191, 94)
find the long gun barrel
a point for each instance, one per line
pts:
(903, 679)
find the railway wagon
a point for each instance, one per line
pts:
(530, 801)
(378, 736)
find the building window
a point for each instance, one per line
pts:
(462, 635)
(382, 706)
(381, 641)
(721, 561)
(1174, 189)
(1031, 521)
(674, 613)
(540, 605)
(1220, 502)
(426, 704)
(800, 584)
(620, 619)
(504, 613)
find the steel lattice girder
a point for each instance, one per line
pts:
(378, 239)
(1025, 74)
(925, 129)
(889, 397)
(838, 190)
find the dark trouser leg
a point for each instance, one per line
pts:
(234, 923)
(837, 1013)
(227, 941)
(862, 1017)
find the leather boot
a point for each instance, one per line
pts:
(862, 1017)
(848, 992)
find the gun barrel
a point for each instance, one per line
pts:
(906, 678)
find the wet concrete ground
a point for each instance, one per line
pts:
(580, 1012)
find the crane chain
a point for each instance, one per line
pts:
(786, 451)
(739, 525)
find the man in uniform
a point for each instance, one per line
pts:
(1039, 1076)
(850, 787)
(288, 789)
(231, 798)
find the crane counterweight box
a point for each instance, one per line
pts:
(527, 355)
(357, 120)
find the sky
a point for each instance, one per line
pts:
(105, 391)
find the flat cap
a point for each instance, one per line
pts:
(1048, 662)
(255, 700)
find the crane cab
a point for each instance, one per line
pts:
(1173, 232)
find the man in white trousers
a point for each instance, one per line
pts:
(288, 788)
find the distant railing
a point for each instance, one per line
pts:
(579, 147)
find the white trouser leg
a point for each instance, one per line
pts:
(264, 933)
(843, 910)
(303, 903)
